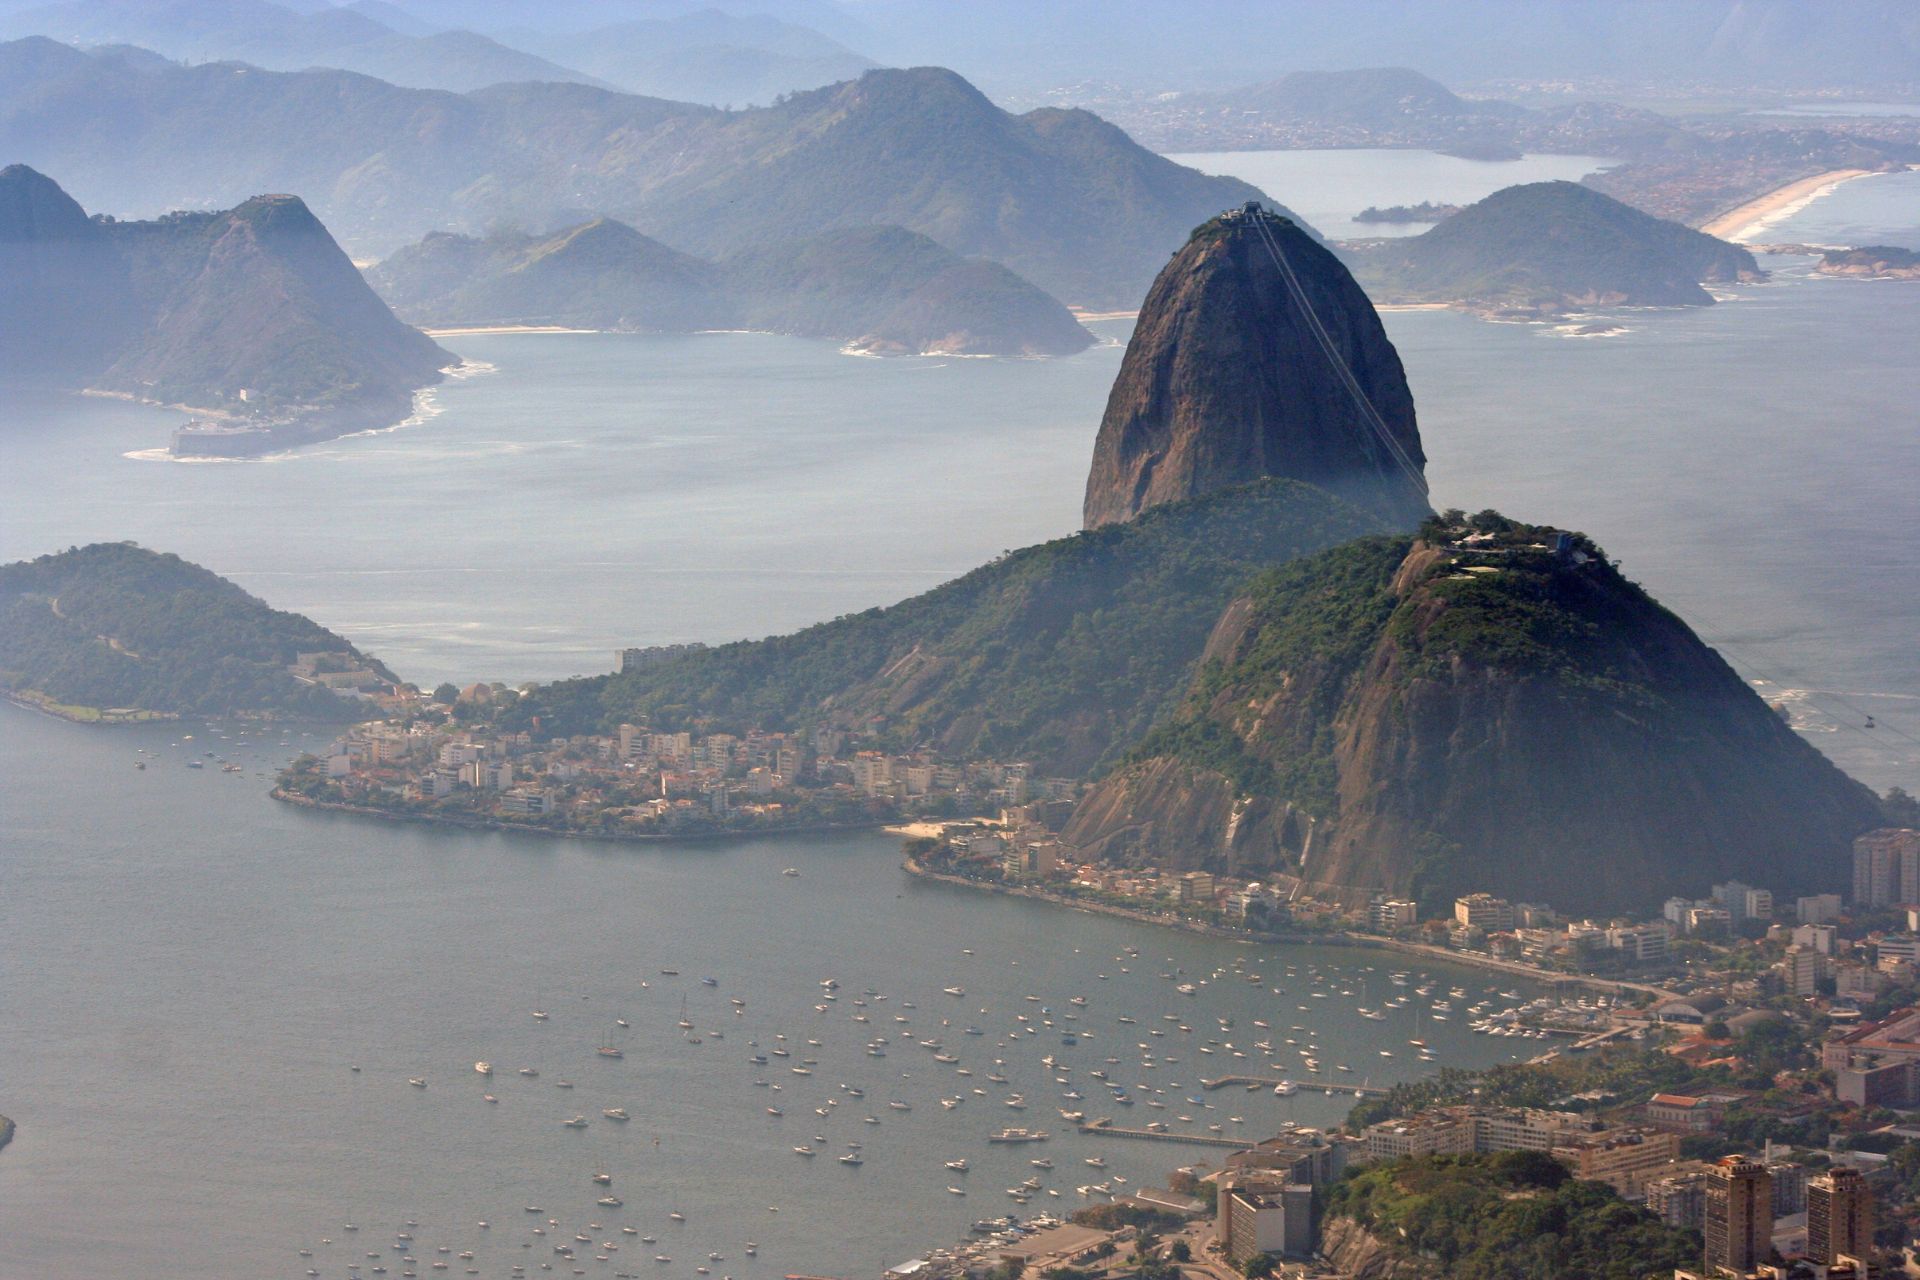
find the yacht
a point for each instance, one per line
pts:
(578, 1122)
(609, 1051)
(958, 1166)
(616, 1113)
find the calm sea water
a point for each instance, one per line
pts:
(191, 972)
(188, 971)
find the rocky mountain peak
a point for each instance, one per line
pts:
(1255, 355)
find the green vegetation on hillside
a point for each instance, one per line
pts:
(1519, 1215)
(886, 287)
(1058, 653)
(1553, 246)
(113, 625)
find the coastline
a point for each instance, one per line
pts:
(1740, 224)
(73, 713)
(6, 1132)
(1340, 938)
(481, 823)
(462, 331)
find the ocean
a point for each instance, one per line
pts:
(189, 972)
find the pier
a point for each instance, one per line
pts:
(1311, 1086)
(1104, 1126)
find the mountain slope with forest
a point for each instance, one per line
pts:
(1053, 654)
(1488, 706)
(884, 289)
(115, 626)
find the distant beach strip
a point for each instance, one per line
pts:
(1750, 219)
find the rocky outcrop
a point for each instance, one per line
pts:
(1229, 378)
(1498, 711)
(1354, 1253)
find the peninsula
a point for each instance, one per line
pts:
(253, 319)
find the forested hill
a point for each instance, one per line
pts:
(1488, 706)
(1053, 654)
(1552, 247)
(1062, 197)
(115, 626)
(885, 289)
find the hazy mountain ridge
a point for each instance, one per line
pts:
(1060, 197)
(1551, 247)
(883, 288)
(279, 38)
(115, 626)
(1226, 379)
(253, 313)
(1475, 709)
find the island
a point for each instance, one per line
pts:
(1547, 249)
(1425, 211)
(1871, 262)
(115, 633)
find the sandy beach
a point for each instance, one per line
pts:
(1750, 219)
(503, 328)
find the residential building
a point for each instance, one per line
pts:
(1816, 937)
(1299, 1155)
(1821, 908)
(1641, 943)
(1030, 860)
(1839, 1216)
(1738, 1219)
(1801, 970)
(1390, 915)
(530, 801)
(1708, 921)
(1485, 912)
(1625, 1159)
(1886, 867)
(1789, 1187)
(1679, 1199)
(1896, 948)
(1197, 887)
(1263, 1218)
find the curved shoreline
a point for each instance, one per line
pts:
(478, 823)
(1341, 938)
(1750, 218)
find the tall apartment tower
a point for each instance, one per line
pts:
(1739, 1215)
(1839, 1216)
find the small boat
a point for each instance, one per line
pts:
(484, 1068)
(578, 1122)
(609, 1051)
(791, 871)
(603, 1179)
(851, 1158)
(417, 1082)
(958, 1166)
(616, 1113)
(609, 1202)
(809, 1152)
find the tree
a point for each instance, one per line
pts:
(447, 694)
(1179, 1251)
(1260, 1266)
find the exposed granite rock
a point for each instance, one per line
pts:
(1226, 381)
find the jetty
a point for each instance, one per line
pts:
(1310, 1086)
(1107, 1127)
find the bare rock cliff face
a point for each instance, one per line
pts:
(1354, 1253)
(1227, 379)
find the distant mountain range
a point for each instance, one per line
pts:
(253, 315)
(1063, 198)
(115, 627)
(708, 56)
(883, 289)
(279, 38)
(1548, 248)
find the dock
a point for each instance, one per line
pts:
(1310, 1086)
(1110, 1129)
